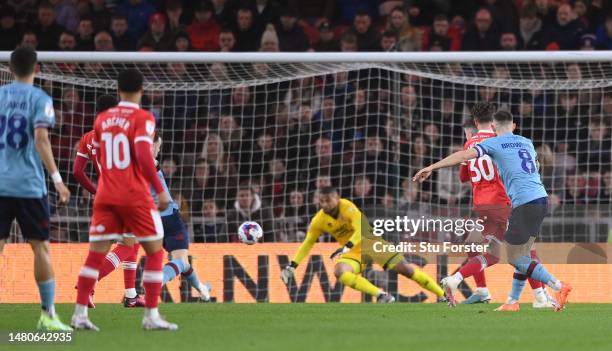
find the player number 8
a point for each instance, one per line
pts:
(482, 168)
(115, 146)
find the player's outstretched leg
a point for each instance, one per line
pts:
(541, 297)
(412, 272)
(180, 265)
(88, 276)
(345, 272)
(45, 279)
(152, 278)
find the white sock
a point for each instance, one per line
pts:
(458, 276)
(554, 284)
(510, 300)
(482, 291)
(80, 310)
(152, 313)
(539, 294)
(130, 293)
(50, 311)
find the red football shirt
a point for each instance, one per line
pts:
(88, 150)
(487, 186)
(117, 130)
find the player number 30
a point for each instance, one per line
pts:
(482, 168)
(117, 149)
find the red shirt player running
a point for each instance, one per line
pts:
(125, 252)
(123, 137)
(492, 205)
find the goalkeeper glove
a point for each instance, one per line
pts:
(287, 272)
(341, 251)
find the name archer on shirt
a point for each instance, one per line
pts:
(116, 121)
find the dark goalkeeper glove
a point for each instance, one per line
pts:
(341, 251)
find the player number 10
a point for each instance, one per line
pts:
(117, 149)
(482, 168)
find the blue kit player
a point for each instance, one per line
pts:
(176, 238)
(516, 162)
(26, 114)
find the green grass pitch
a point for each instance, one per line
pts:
(338, 327)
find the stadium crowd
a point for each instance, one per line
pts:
(262, 152)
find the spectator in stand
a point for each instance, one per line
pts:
(137, 13)
(204, 30)
(504, 13)
(47, 30)
(169, 166)
(408, 37)
(565, 32)
(100, 13)
(122, 39)
(67, 42)
(85, 35)
(182, 42)
(604, 34)
(269, 43)
(349, 9)
(324, 162)
(9, 30)
(158, 37)
(574, 193)
(553, 177)
(248, 37)
(588, 42)
(103, 41)
(594, 152)
(297, 216)
(265, 12)
(316, 11)
(212, 228)
(450, 189)
(410, 194)
(29, 39)
(174, 11)
(367, 37)
(508, 42)
(327, 41)
(546, 11)
(363, 195)
(249, 207)
(202, 186)
(531, 28)
(589, 15)
(442, 37)
(605, 194)
(224, 14)
(483, 35)
(290, 35)
(274, 187)
(348, 42)
(227, 40)
(66, 14)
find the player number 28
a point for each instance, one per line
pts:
(15, 128)
(117, 149)
(482, 168)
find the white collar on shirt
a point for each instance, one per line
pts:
(485, 131)
(128, 104)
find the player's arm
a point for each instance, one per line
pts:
(311, 238)
(144, 157)
(78, 170)
(449, 161)
(43, 146)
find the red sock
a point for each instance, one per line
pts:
(88, 276)
(129, 268)
(152, 278)
(474, 267)
(113, 259)
(535, 284)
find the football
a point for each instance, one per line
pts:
(250, 232)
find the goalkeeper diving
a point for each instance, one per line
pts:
(344, 222)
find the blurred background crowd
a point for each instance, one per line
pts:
(260, 152)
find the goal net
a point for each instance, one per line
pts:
(286, 125)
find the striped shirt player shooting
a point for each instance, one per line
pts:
(26, 113)
(123, 204)
(515, 158)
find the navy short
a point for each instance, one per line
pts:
(176, 236)
(525, 221)
(32, 215)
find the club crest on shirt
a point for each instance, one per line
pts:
(150, 127)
